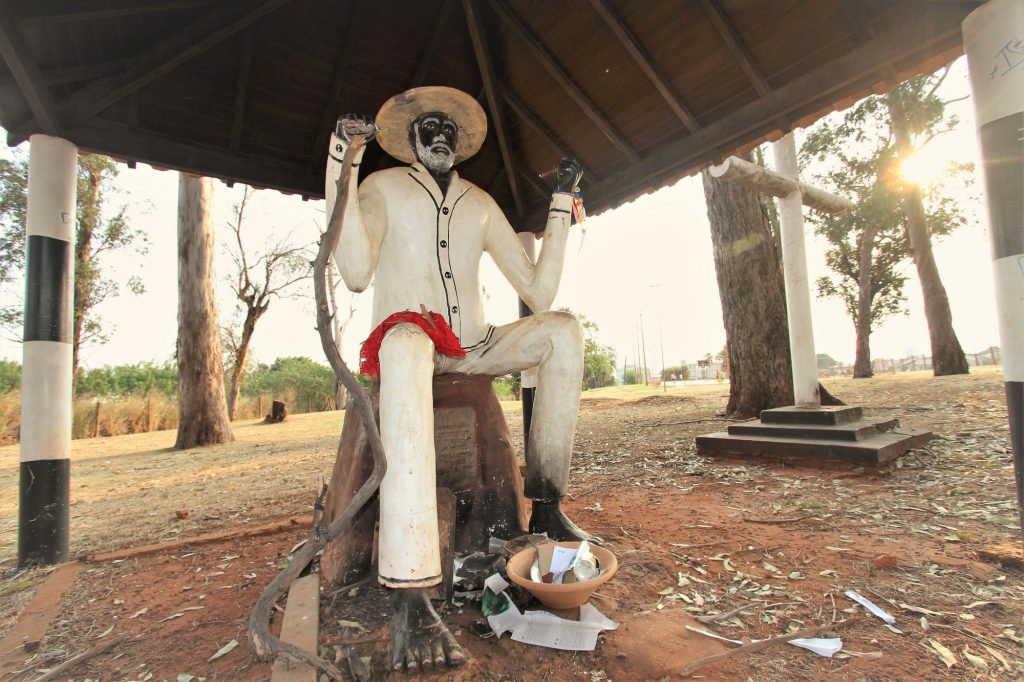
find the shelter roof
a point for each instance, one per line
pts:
(641, 92)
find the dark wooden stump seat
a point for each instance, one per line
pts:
(476, 462)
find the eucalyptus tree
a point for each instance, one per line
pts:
(859, 154)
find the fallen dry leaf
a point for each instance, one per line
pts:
(947, 656)
(226, 649)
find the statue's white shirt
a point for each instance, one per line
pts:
(424, 248)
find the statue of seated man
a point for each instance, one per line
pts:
(420, 231)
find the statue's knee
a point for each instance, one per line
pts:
(565, 328)
(405, 341)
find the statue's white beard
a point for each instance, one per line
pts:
(437, 162)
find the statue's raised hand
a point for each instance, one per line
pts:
(569, 173)
(350, 126)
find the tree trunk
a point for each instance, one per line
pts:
(202, 410)
(88, 221)
(241, 354)
(753, 300)
(947, 355)
(340, 395)
(862, 363)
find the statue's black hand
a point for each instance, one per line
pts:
(569, 173)
(355, 125)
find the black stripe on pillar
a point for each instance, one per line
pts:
(526, 393)
(48, 297)
(43, 515)
(1015, 406)
(1002, 146)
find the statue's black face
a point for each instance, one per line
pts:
(434, 137)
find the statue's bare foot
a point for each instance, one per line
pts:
(547, 517)
(420, 641)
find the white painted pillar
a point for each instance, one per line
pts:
(798, 292)
(992, 35)
(46, 355)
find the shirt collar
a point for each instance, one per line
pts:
(427, 180)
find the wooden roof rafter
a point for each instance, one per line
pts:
(211, 29)
(483, 60)
(26, 74)
(735, 44)
(436, 38)
(531, 120)
(62, 75)
(89, 10)
(563, 79)
(330, 110)
(643, 60)
(810, 92)
(241, 91)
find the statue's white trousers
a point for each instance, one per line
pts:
(409, 554)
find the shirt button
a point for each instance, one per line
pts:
(448, 275)
(444, 244)
(445, 210)
(455, 308)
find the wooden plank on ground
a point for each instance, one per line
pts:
(301, 627)
(35, 618)
(244, 532)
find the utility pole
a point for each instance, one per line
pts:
(643, 346)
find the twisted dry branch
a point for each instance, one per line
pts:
(262, 643)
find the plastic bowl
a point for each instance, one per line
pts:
(560, 596)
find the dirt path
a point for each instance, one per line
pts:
(694, 537)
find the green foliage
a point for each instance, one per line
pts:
(95, 234)
(598, 360)
(298, 378)
(10, 376)
(124, 380)
(826, 361)
(855, 156)
(670, 373)
(630, 376)
(509, 387)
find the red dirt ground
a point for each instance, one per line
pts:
(694, 537)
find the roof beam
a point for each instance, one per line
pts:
(26, 74)
(643, 60)
(483, 61)
(562, 78)
(121, 142)
(212, 28)
(808, 93)
(735, 44)
(74, 74)
(535, 184)
(530, 119)
(241, 89)
(436, 38)
(91, 10)
(330, 112)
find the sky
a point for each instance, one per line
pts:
(649, 260)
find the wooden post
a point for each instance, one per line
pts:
(96, 421)
(798, 293)
(992, 36)
(784, 183)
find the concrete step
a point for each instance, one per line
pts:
(837, 414)
(849, 431)
(873, 449)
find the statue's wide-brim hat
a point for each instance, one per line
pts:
(398, 113)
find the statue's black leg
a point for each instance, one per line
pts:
(547, 517)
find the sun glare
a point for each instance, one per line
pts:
(924, 167)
